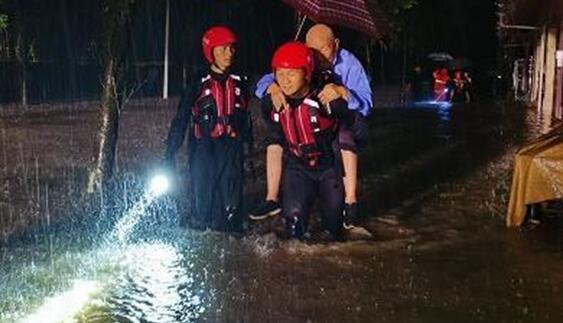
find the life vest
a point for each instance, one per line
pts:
(303, 126)
(215, 107)
(440, 82)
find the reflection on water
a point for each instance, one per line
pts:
(63, 307)
(156, 286)
(145, 282)
(438, 258)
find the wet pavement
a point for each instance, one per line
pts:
(434, 191)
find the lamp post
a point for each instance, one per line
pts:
(166, 45)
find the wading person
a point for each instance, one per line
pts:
(355, 90)
(307, 131)
(441, 82)
(460, 91)
(215, 115)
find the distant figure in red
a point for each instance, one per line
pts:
(441, 80)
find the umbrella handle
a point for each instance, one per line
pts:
(300, 27)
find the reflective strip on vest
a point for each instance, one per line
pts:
(225, 99)
(300, 126)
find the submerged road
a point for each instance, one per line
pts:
(434, 185)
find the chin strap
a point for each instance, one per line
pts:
(219, 69)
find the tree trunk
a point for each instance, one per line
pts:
(21, 56)
(115, 40)
(382, 62)
(24, 84)
(404, 69)
(108, 127)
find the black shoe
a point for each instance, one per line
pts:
(265, 209)
(350, 215)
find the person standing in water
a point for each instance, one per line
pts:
(215, 115)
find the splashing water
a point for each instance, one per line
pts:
(125, 225)
(123, 228)
(66, 305)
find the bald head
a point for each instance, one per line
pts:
(321, 39)
(319, 32)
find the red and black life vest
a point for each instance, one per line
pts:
(303, 126)
(216, 106)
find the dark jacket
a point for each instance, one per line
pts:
(183, 121)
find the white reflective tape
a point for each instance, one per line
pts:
(237, 91)
(276, 117)
(207, 92)
(205, 78)
(236, 77)
(237, 105)
(311, 103)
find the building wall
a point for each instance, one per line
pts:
(549, 72)
(547, 82)
(559, 76)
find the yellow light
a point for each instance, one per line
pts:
(63, 307)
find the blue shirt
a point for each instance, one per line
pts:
(349, 72)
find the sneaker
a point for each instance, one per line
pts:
(265, 209)
(350, 215)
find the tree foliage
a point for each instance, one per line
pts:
(395, 13)
(3, 21)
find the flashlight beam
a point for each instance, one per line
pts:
(63, 307)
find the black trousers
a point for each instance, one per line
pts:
(354, 138)
(215, 183)
(301, 185)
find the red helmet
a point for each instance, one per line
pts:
(216, 36)
(294, 55)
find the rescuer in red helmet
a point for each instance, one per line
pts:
(218, 123)
(441, 81)
(348, 80)
(307, 130)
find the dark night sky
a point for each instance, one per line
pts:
(64, 35)
(460, 27)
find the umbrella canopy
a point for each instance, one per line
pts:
(347, 13)
(440, 57)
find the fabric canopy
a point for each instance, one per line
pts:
(538, 175)
(347, 13)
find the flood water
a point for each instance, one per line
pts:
(434, 191)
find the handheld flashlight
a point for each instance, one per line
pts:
(159, 184)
